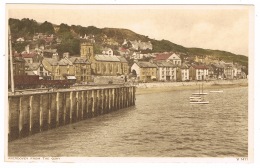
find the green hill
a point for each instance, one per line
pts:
(70, 39)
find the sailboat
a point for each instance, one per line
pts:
(200, 93)
(197, 99)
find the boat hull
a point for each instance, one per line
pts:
(199, 93)
(216, 91)
(200, 102)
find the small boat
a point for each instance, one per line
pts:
(200, 102)
(199, 93)
(197, 99)
(216, 91)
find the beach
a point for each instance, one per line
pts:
(156, 87)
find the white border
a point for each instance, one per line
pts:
(256, 77)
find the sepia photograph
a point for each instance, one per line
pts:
(169, 82)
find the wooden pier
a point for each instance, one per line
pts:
(37, 112)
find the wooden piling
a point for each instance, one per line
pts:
(83, 102)
(57, 109)
(77, 106)
(41, 115)
(70, 106)
(30, 114)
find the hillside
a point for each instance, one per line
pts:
(70, 39)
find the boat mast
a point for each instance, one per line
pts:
(199, 88)
(202, 87)
(11, 60)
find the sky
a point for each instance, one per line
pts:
(209, 27)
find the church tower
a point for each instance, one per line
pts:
(86, 51)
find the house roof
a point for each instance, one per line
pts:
(200, 67)
(19, 59)
(218, 65)
(142, 64)
(184, 66)
(163, 56)
(165, 64)
(33, 66)
(122, 59)
(79, 60)
(107, 58)
(51, 61)
(65, 61)
(28, 55)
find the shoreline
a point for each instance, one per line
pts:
(148, 88)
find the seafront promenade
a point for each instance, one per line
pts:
(143, 88)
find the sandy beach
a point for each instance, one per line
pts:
(147, 88)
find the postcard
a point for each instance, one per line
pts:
(170, 83)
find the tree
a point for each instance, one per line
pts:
(46, 27)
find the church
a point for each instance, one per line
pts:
(103, 64)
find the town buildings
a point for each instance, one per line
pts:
(36, 59)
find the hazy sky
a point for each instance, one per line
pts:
(210, 27)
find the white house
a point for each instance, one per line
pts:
(166, 71)
(199, 72)
(170, 57)
(175, 59)
(108, 51)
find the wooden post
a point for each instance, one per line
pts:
(77, 105)
(97, 102)
(117, 98)
(93, 103)
(20, 116)
(134, 95)
(82, 104)
(71, 106)
(30, 113)
(49, 111)
(41, 115)
(58, 109)
(109, 100)
(64, 108)
(87, 103)
(102, 101)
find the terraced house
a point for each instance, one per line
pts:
(198, 72)
(166, 71)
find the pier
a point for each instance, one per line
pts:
(36, 112)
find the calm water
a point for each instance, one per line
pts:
(161, 124)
